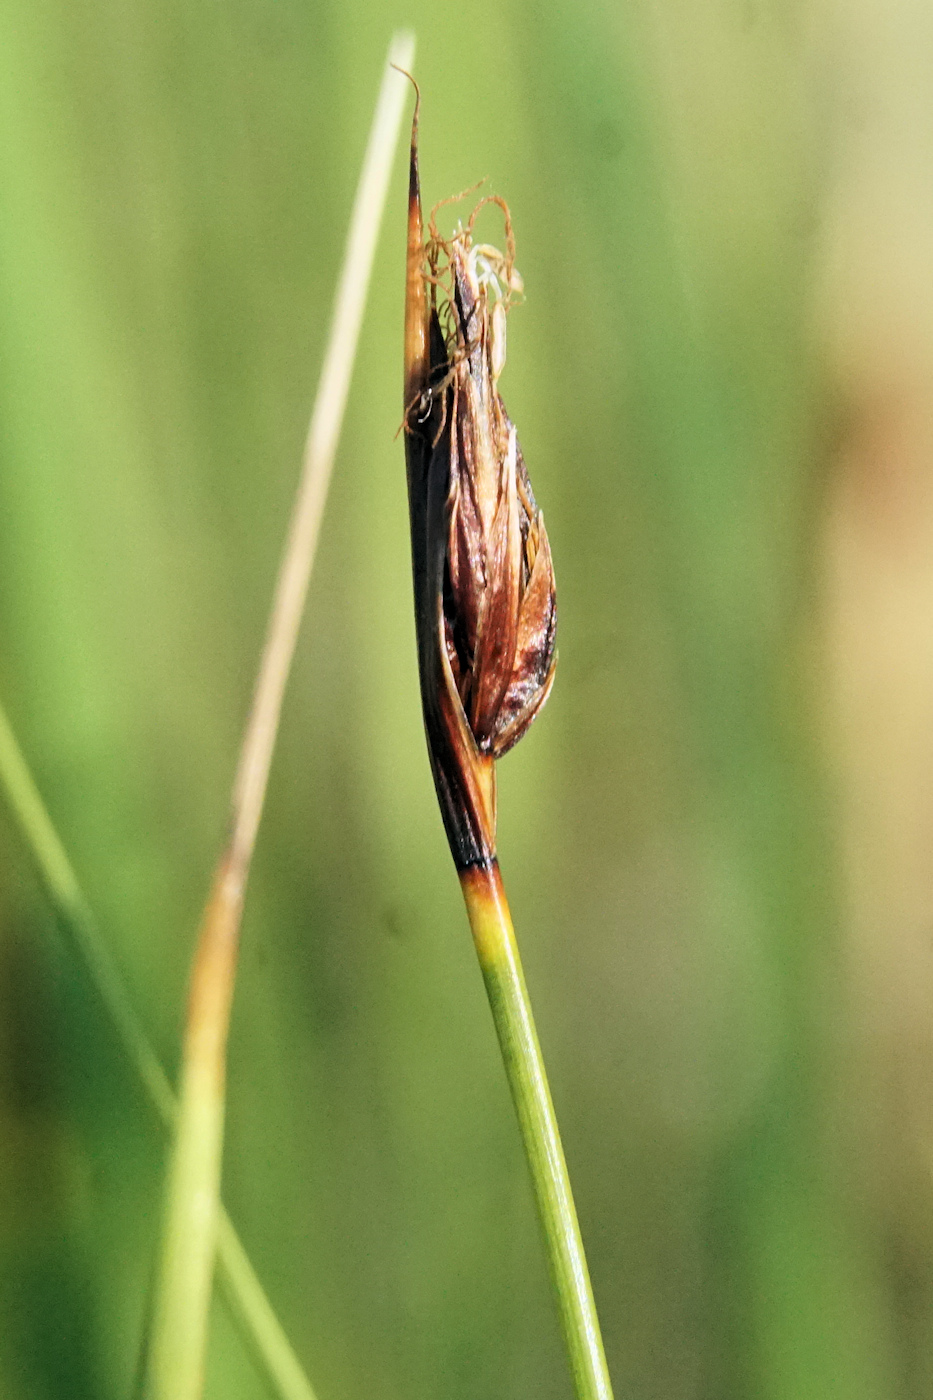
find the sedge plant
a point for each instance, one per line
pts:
(485, 619)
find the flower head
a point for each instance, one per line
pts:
(484, 582)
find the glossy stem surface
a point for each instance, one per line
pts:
(497, 950)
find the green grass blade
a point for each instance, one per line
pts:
(242, 1290)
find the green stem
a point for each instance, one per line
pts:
(242, 1290)
(497, 950)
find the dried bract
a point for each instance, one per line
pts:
(484, 582)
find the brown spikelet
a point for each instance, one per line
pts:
(485, 605)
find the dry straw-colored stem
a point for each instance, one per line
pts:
(181, 1306)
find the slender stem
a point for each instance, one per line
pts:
(242, 1290)
(175, 1360)
(259, 1326)
(497, 950)
(182, 1299)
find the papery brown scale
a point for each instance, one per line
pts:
(535, 659)
(497, 632)
(467, 553)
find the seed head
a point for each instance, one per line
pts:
(485, 605)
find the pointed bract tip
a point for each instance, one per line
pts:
(417, 315)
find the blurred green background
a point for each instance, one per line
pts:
(716, 840)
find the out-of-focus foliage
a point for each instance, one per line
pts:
(717, 838)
